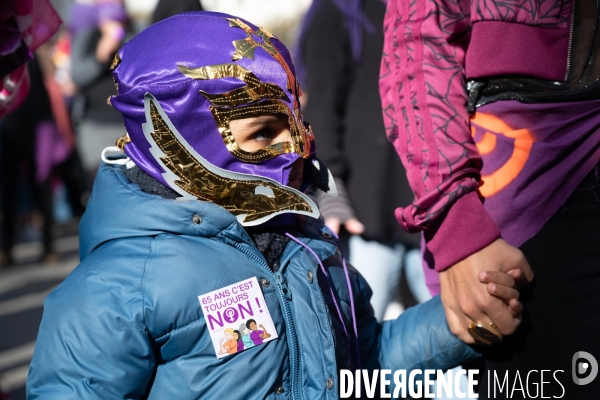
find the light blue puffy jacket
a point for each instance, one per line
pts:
(127, 323)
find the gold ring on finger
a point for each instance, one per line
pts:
(484, 334)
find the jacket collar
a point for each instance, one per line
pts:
(119, 209)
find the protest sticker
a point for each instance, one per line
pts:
(237, 317)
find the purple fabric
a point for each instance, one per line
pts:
(566, 147)
(13, 50)
(36, 24)
(240, 346)
(11, 60)
(432, 279)
(255, 337)
(50, 149)
(149, 65)
(499, 48)
(84, 16)
(11, 36)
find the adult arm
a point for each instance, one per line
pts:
(85, 68)
(339, 210)
(326, 71)
(424, 101)
(424, 98)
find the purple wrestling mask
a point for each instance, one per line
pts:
(179, 84)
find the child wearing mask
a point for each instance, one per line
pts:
(203, 224)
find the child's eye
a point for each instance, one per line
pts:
(263, 134)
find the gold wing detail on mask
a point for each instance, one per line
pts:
(244, 48)
(254, 90)
(252, 199)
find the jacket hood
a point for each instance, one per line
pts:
(119, 209)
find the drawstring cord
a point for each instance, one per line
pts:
(339, 246)
(337, 307)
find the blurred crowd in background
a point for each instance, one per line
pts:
(50, 146)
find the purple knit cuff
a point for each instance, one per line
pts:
(466, 229)
(501, 48)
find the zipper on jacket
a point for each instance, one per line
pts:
(571, 32)
(282, 281)
(285, 295)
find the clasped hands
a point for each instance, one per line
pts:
(483, 288)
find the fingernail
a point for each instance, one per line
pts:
(518, 273)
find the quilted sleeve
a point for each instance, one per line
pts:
(92, 342)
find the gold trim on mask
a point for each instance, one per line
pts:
(261, 98)
(115, 63)
(254, 91)
(239, 196)
(224, 115)
(245, 48)
(122, 141)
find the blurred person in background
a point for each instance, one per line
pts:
(339, 55)
(30, 145)
(24, 26)
(61, 90)
(36, 139)
(98, 28)
(167, 8)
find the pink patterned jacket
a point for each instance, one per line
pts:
(431, 48)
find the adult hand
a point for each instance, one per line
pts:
(353, 225)
(467, 300)
(110, 41)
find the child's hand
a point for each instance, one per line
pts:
(505, 287)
